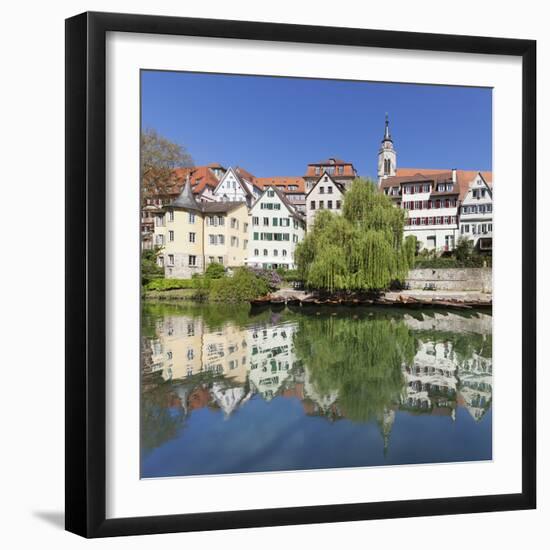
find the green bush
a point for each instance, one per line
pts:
(242, 287)
(169, 284)
(450, 262)
(214, 271)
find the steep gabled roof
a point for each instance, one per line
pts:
(340, 187)
(220, 207)
(239, 179)
(289, 206)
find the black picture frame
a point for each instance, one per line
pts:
(86, 275)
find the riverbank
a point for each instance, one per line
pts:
(412, 298)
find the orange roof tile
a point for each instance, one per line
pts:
(282, 183)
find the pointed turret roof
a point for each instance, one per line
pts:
(186, 198)
(387, 135)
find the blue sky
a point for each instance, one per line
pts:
(274, 126)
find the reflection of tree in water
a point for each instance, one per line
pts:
(162, 413)
(361, 359)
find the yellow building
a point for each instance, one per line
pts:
(193, 235)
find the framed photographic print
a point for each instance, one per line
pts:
(300, 274)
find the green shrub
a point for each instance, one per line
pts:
(214, 271)
(242, 287)
(169, 284)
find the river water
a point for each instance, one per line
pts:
(226, 390)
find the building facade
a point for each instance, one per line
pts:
(433, 199)
(276, 228)
(341, 171)
(192, 235)
(234, 187)
(476, 213)
(325, 194)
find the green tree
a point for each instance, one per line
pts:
(149, 268)
(159, 156)
(464, 249)
(243, 286)
(362, 249)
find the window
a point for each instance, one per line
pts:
(284, 252)
(265, 251)
(255, 220)
(338, 205)
(329, 205)
(275, 222)
(221, 220)
(192, 261)
(255, 236)
(484, 228)
(170, 236)
(234, 241)
(275, 252)
(266, 221)
(245, 228)
(329, 190)
(271, 193)
(322, 190)
(212, 239)
(190, 354)
(160, 221)
(312, 205)
(321, 205)
(159, 240)
(220, 260)
(340, 172)
(277, 206)
(234, 223)
(245, 244)
(191, 217)
(210, 259)
(317, 170)
(489, 207)
(221, 239)
(192, 237)
(170, 259)
(256, 252)
(171, 216)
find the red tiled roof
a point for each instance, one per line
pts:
(282, 183)
(200, 176)
(245, 174)
(348, 171)
(463, 178)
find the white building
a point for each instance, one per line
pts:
(325, 194)
(476, 213)
(432, 198)
(276, 228)
(235, 188)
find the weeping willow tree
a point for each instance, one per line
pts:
(359, 359)
(362, 249)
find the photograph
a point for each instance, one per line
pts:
(316, 274)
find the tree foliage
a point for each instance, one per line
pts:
(359, 359)
(244, 286)
(362, 249)
(149, 268)
(159, 156)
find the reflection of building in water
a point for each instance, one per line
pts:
(431, 381)
(271, 357)
(448, 369)
(476, 385)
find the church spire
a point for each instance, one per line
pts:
(387, 135)
(387, 156)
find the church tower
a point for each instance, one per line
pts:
(387, 157)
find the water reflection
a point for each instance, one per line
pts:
(212, 378)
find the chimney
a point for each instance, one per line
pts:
(453, 177)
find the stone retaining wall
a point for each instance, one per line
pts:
(472, 278)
